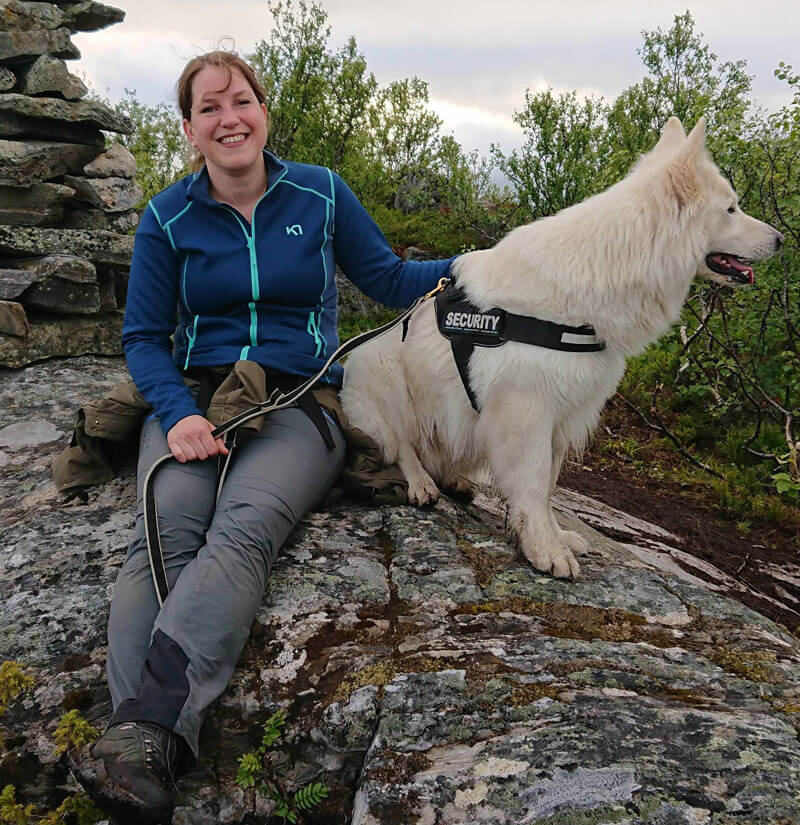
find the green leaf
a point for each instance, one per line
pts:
(249, 768)
(311, 795)
(272, 730)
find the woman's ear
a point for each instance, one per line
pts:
(188, 131)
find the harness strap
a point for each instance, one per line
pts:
(467, 327)
(462, 351)
(310, 406)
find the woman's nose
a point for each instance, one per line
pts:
(229, 114)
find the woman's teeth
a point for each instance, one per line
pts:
(233, 139)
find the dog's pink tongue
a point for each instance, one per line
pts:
(740, 267)
(732, 263)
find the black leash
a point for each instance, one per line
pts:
(278, 400)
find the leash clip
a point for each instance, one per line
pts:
(443, 282)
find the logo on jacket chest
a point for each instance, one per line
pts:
(294, 229)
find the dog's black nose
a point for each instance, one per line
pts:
(779, 241)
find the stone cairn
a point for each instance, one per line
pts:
(66, 204)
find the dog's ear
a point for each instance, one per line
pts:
(683, 170)
(697, 138)
(672, 135)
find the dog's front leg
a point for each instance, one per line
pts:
(575, 541)
(422, 489)
(518, 436)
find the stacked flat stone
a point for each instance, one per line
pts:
(67, 205)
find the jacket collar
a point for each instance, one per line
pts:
(199, 182)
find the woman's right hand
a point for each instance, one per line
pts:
(191, 439)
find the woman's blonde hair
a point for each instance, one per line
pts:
(227, 61)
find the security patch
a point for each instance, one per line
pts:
(488, 322)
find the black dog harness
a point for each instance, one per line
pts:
(467, 327)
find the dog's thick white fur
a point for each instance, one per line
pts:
(621, 261)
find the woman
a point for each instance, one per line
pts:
(246, 249)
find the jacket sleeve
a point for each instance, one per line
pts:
(150, 320)
(365, 257)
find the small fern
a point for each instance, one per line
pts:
(249, 767)
(255, 771)
(272, 730)
(282, 808)
(309, 796)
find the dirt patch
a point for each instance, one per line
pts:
(765, 560)
(579, 621)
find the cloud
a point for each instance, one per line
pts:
(478, 59)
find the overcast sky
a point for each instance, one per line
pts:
(477, 57)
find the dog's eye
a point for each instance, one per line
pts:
(731, 209)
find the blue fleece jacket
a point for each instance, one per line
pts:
(263, 291)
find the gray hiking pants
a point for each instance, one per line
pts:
(167, 665)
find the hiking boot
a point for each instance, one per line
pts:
(133, 765)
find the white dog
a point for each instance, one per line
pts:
(621, 262)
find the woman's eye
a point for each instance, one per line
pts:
(206, 109)
(242, 102)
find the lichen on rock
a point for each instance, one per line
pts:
(419, 683)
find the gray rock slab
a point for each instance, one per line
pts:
(427, 673)
(97, 246)
(108, 194)
(19, 15)
(52, 338)
(85, 112)
(16, 126)
(89, 16)
(115, 162)
(39, 205)
(66, 267)
(88, 217)
(27, 434)
(13, 320)
(49, 75)
(13, 282)
(18, 46)
(23, 163)
(67, 297)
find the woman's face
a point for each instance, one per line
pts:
(228, 124)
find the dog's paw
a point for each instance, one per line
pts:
(557, 559)
(460, 489)
(575, 541)
(564, 565)
(423, 492)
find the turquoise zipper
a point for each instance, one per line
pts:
(254, 288)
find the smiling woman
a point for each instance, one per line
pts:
(245, 248)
